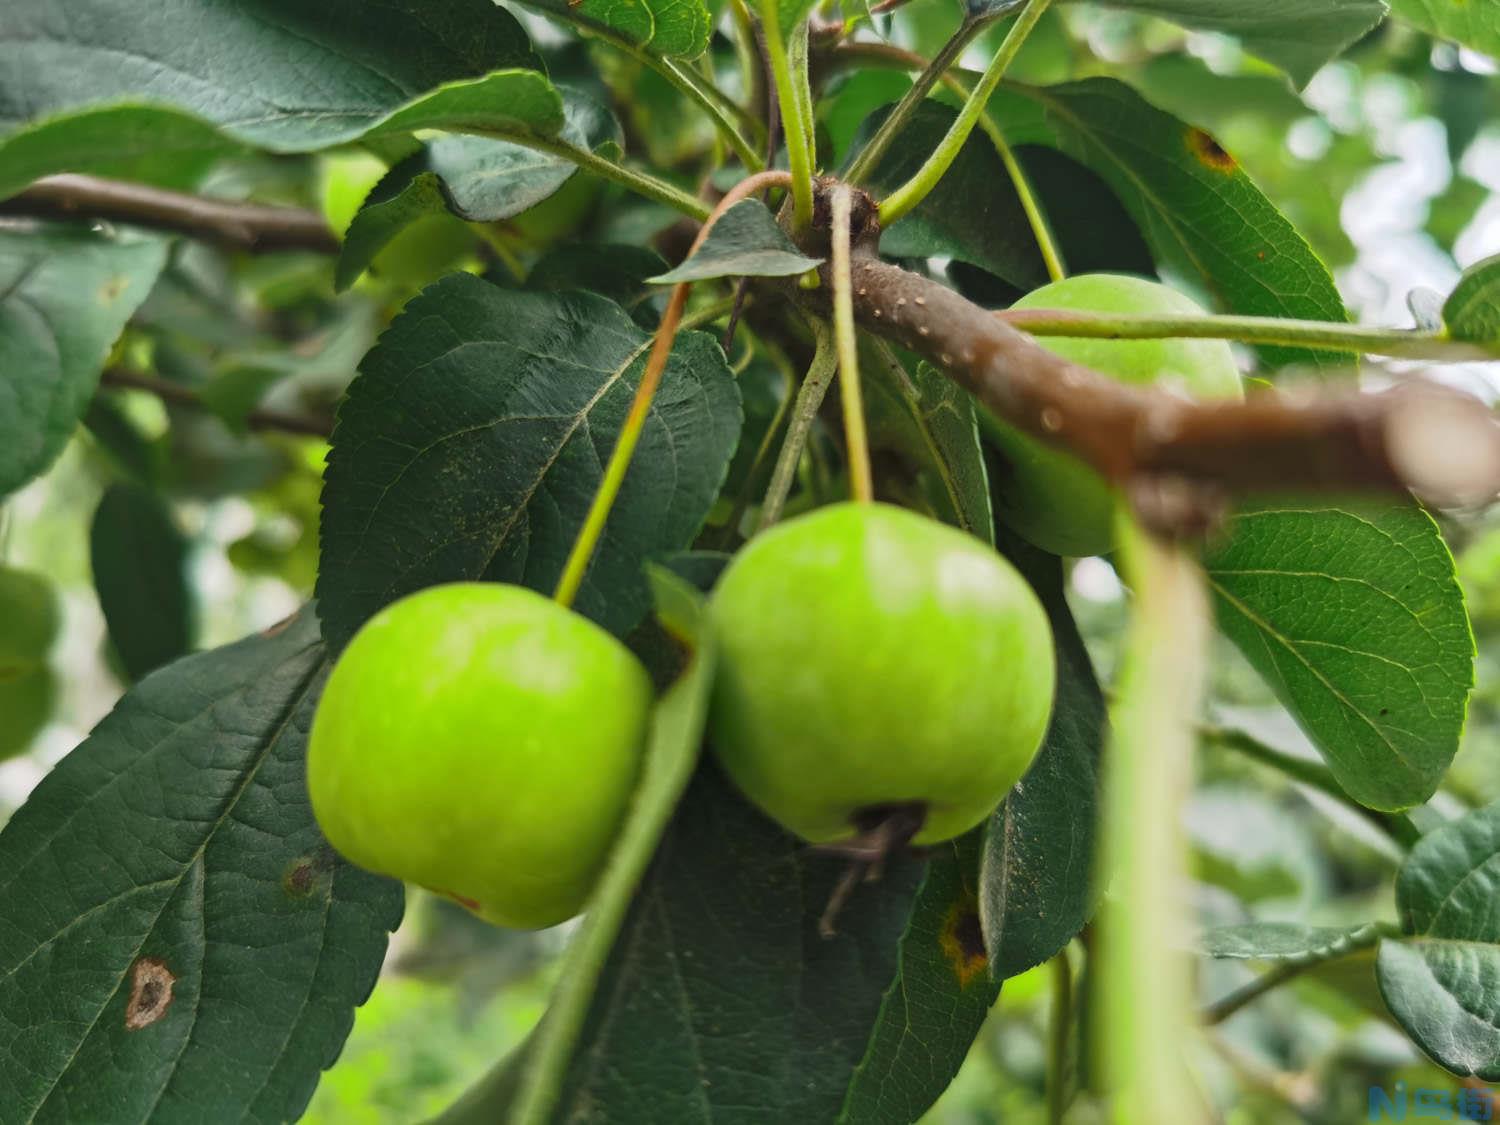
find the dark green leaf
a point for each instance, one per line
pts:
(277, 74)
(472, 177)
(474, 439)
(1443, 983)
(139, 558)
(937, 1002)
(1035, 886)
(1199, 211)
(65, 294)
(1470, 22)
(975, 216)
(672, 28)
(745, 242)
(1296, 35)
(720, 998)
(925, 425)
(614, 270)
(1356, 619)
(1290, 942)
(180, 943)
(991, 7)
(1472, 311)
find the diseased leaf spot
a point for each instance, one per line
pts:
(300, 878)
(113, 288)
(1209, 152)
(150, 993)
(962, 941)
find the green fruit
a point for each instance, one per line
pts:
(1053, 499)
(28, 622)
(25, 708)
(873, 658)
(483, 742)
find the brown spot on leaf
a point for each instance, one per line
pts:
(150, 993)
(962, 941)
(110, 291)
(1209, 152)
(300, 878)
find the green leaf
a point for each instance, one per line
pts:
(1201, 214)
(474, 439)
(671, 755)
(514, 102)
(180, 943)
(1443, 983)
(276, 74)
(1288, 942)
(139, 558)
(475, 178)
(975, 216)
(670, 28)
(614, 270)
(935, 1005)
(1036, 891)
(65, 294)
(1355, 618)
(926, 428)
(745, 242)
(1296, 35)
(720, 989)
(1469, 22)
(1472, 311)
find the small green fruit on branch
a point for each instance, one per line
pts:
(1180, 461)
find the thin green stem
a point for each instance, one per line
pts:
(1036, 217)
(1221, 1009)
(1325, 335)
(1398, 826)
(577, 564)
(869, 156)
(1144, 976)
(804, 410)
(641, 183)
(793, 126)
(767, 442)
(802, 84)
(1059, 1035)
(856, 441)
(911, 193)
(712, 101)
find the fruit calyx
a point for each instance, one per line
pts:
(884, 830)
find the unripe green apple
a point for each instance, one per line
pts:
(1050, 497)
(872, 658)
(483, 742)
(28, 622)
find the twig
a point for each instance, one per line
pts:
(258, 419)
(241, 226)
(1180, 460)
(1220, 1010)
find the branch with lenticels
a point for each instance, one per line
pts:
(1180, 461)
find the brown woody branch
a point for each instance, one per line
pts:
(1180, 461)
(259, 419)
(251, 227)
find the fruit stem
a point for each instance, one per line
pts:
(794, 127)
(582, 553)
(804, 410)
(1059, 1034)
(884, 830)
(1144, 975)
(861, 480)
(1403, 343)
(901, 201)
